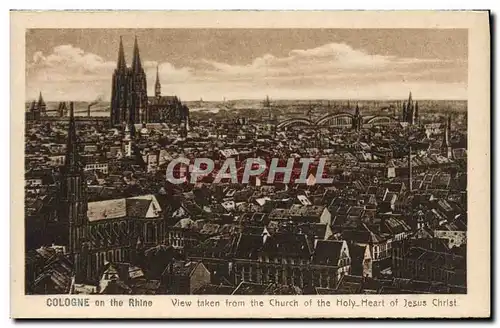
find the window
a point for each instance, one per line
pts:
(150, 229)
(316, 282)
(272, 275)
(254, 275)
(296, 278)
(265, 273)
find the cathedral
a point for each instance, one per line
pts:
(130, 103)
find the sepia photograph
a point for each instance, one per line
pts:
(288, 162)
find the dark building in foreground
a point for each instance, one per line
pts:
(129, 99)
(113, 230)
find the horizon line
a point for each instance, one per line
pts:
(279, 99)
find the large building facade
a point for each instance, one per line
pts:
(130, 103)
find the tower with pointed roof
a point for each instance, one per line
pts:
(416, 114)
(119, 90)
(129, 99)
(410, 110)
(446, 145)
(357, 120)
(42, 107)
(404, 112)
(73, 200)
(138, 95)
(157, 84)
(37, 109)
(127, 141)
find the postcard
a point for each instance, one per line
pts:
(250, 164)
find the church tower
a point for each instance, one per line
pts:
(416, 114)
(42, 107)
(446, 145)
(357, 120)
(409, 110)
(127, 142)
(404, 112)
(157, 84)
(119, 90)
(138, 89)
(73, 202)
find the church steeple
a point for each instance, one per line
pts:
(416, 113)
(446, 145)
(40, 99)
(410, 110)
(73, 203)
(72, 158)
(136, 62)
(357, 120)
(122, 65)
(42, 107)
(157, 83)
(127, 141)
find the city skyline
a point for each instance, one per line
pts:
(214, 64)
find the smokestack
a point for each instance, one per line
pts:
(95, 102)
(90, 105)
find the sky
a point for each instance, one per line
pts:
(77, 64)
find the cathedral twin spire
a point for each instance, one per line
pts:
(129, 99)
(121, 57)
(136, 60)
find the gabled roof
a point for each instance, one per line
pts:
(183, 268)
(327, 252)
(55, 277)
(212, 289)
(248, 288)
(274, 289)
(137, 207)
(116, 287)
(287, 244)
